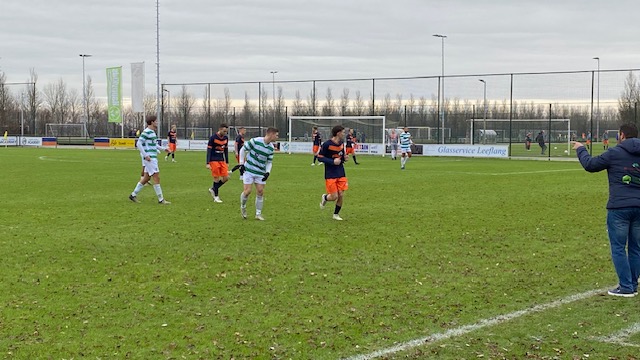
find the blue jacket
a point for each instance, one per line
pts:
(622, 163)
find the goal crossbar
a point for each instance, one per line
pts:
(363, 120)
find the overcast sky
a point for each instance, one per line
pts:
(243, 40)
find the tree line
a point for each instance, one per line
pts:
(59, 104)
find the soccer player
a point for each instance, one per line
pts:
(527, 142)
(605, 140)
(172, 140)
(218, 160)
(239, 142)
(256, 158)
(351, 146)
(149, 148)
(317, 140)
(333, 156)
(393, 144)
(405, 147)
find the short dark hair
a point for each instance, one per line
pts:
(223, 125)
(272, 130)
(315, 128)
(336, 129)
(629, 131)
(241, 127)
(151, 119)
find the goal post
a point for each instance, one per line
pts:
(369, 130)
(66, 130)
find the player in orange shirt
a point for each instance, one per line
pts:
(317, 140)
(218, 160)
(172, 140)
(333, 156)
(351, 146)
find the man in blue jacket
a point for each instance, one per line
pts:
(622, 163)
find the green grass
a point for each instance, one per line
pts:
(446, 243)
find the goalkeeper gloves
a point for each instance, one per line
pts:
(239, 167)
(266, 176)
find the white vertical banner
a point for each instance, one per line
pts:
(137, 87)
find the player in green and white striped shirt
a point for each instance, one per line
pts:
(149, 149)
(405, 147)
(256, 157)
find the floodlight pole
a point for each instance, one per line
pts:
(442, 37)
(84, 91)
(169, 110)
(484, 136)
(598, 103)
(273, 84)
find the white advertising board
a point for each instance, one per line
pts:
(485, 151)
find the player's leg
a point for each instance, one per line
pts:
(315, 154)
(259, 199)
(341, 185)
(247, 180)
(403, 158)
(158, 189)
(144, 179)
(331, 194)
(353, 154)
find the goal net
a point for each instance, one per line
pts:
(369, 130)
(66, 130)
(421, 134)
(250, 132)
(556, 132)
(192, 133)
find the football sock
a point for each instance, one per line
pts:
(314, 159)
(137, 189)
(354, 159)
(243, 200)
(216, 186)
(259, 202)
(158, 190)
(337, 209)
(173, 155)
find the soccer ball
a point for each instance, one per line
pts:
(566, 151)
(555, 148)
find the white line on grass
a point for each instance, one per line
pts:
(621, 336)
(479, 325)
(512, 173)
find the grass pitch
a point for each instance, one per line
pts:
(444, 244)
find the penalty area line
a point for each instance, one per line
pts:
(463, 330)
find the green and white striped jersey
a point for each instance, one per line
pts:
(148, 144)
(258, 155)
(405, 140)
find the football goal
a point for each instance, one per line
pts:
(491, 131)
(250, 132)
(66, 130)
(369, 130)
(191, 133)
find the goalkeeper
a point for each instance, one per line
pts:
(254, 164)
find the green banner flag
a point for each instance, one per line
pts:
(114, 94)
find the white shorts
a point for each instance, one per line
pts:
(249, 178)
(151, 167)
(405, 151)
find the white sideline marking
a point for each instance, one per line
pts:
(512, 173)
(462, 330)
(621, 336)
(47, 158)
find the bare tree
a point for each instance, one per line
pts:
(359, 104)
(34, 100)
(298, 106)
(184, 107)
(246, 111)
(628, 101)
(327, 108)
(344, 102)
